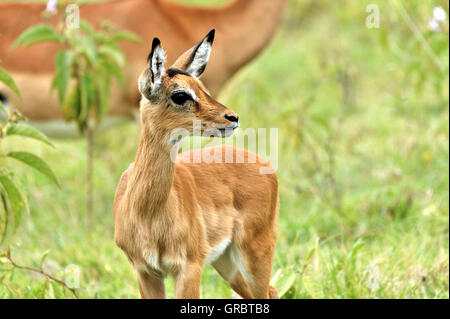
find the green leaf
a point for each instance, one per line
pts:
(351, 256)
(71, 107)
(113, 70)
(86, 47)
(44, 256)
(64, 60)
(36, 163)
(87, 28)
(112, 53)
(22, 189)
(9, 81)
(84, 100)
(126, 36)
(284, 283)
(37, 33)
(27, 131)
(14, 197)
(102, 85)
(92, 90)
(3, 212)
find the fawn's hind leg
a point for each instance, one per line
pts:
(248, 272)
(258, 254)
(260, 271)
(229, 271)
(151, 286)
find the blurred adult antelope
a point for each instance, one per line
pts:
(245, 28)
(174, 217)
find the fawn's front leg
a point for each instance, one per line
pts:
(187, 281)
(151, 286)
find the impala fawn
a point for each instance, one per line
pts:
(173, 218)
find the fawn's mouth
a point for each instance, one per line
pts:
(226, 131)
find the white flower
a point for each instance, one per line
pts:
(51, 5)
(439, 14)
(434, 25)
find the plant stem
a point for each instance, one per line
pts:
(43, 273)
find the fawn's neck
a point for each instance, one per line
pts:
(152, 175)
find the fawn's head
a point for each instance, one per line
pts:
(175, 97)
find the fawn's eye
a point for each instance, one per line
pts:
(180, 98)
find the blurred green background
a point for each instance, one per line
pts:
(363, 118)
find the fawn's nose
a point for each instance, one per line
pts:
(232, 118)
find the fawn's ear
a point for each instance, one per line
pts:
(150, 80)
(194, 60)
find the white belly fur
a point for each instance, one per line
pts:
(217, 251)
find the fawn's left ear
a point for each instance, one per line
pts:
(194, 61)
(150, 80)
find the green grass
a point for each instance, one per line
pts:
(363, 165)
